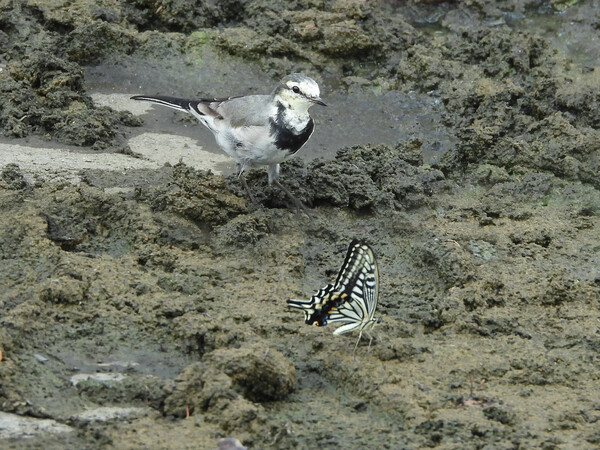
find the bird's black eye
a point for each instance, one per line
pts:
(296, 89)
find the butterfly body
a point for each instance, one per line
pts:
(352, 299)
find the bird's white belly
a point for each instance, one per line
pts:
(251, 146)
(269, 154)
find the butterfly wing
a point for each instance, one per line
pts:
(352, 298)
(316, 310)
(359, 284)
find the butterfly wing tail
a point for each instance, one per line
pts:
(300, 304)
(306, 306)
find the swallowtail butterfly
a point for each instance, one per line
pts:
(352, 299)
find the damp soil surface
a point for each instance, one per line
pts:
(147, 308)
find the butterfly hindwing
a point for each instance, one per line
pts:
(316, 310)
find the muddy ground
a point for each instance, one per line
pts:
(147, 308)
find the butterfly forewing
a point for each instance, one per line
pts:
(352, 299)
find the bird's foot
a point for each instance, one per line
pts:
(297, 202)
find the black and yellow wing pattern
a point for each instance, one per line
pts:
(352, 299)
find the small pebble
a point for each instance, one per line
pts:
(230, 444)
(40, 358)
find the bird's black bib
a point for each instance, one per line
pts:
(285, 138)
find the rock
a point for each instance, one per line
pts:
(13, 426)
(98, 377)
(230, 444)
(108, 413)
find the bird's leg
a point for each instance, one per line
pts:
(247, 188)
(242, 179)
(297, 202)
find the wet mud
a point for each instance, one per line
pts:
(148, 309)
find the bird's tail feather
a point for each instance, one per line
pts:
(180, 104)
(199, 108)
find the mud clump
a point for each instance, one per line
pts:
(65, 290)
(512, 101)
(198, 196)
(44, 94)
(199, 390)
(178, 15)
(141, 390)
(94, 42)
(261, 373)
(226, 383)
(344, 30)
(284, 36)
(243, 230)
(364, 179)
(453, 264)
(368, 178)
(12, 177)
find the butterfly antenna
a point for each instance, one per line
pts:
(356, 346)
(373, 323)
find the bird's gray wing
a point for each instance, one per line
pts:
(250, 110)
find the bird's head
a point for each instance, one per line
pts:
(298, 92)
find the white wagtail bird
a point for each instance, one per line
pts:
(257, 130)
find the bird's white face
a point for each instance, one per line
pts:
(300, 94)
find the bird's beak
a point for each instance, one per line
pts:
(318, 101)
